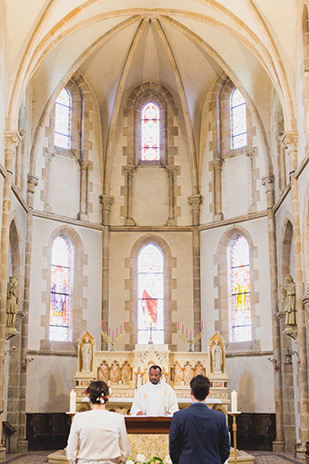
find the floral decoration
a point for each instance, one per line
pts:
(141, 459)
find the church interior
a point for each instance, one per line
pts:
(154, 192)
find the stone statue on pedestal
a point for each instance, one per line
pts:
(86, 352)
(216, 352)
(11, 303)
(290, 305)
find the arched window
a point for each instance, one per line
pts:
(60, 326)
(150, 269)
(150, 131)
(239, 290)
(63, 110)
(238, 120)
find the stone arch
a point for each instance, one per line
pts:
(79, 325)
(222, 303)
(170, 305)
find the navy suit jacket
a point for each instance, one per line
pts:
(199, 435)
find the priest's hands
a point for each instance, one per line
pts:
(140, 413)
(167, 413)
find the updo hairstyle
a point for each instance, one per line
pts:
(98, 392)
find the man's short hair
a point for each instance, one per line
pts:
(155, 367)
(200, 387)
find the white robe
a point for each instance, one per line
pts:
(98, 437)
(155, 400)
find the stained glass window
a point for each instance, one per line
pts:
(238, 120)
(150, 133)
(239, 276)
(63, 109)
(150, 295)
(60, 290)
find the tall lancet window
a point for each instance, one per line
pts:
(239, 290)
(238, 120)
(150, 132)
(63, 112)
(60, 325)
(150, 295)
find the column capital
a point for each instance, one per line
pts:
(84, 164)
(251, 152)
(290, 140)
(12, 139)
(33, 181)
(268, 182)
(195, 201)
(106, 201)
(216, 164)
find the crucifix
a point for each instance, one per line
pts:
(150, 342)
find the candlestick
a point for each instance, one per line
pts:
(190, 341)
(72, 402)
(234, 429)
(234, 401)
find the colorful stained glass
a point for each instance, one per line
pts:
(238, 120)
(63, 107)
(150, 295)
(60, 291)
(241, 324)
(150, 133)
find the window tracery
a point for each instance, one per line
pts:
(238, 120)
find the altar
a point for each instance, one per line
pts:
(126, 371)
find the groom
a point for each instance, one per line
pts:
(199, 435)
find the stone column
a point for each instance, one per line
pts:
(251, 153)
(290, 140)
(195, 202)
(12, 138)
(129, 171)
(83, 205)
(107, 201)
(268, 182)
(172, 172)
(20, 155)
(216, 168)
(281, 161)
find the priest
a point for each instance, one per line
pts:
(155, 398)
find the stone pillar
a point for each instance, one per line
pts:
(290, 140)
(129, 171)
(22, 443)
(20, 155)
(281, 161)
(195, 202)
(216, 168)
(83, 205)
(172, 172)
(107, 201)
(251, 153)
(268, 182)
(12, 138)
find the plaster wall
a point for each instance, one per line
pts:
(250, 377)
(49, 382)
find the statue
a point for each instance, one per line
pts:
(11, 303)
(216, 352)
(86, 352)
(290, 307)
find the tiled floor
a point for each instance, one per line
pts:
(261, 457)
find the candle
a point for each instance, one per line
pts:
(113, 334)
(178, 325)
(117, 332)
(109, 332)
(202, 325)
(72, 401)
(234, 401)
(182, 328)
